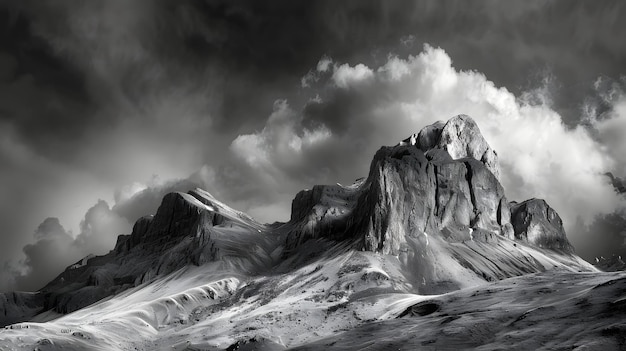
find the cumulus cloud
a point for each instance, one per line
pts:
(55, 248)
(42, 258)
(345, 76)
(607, 116)
(604, 111)
(279, 147)
(612, 131)
(99, 229)
(359, 108)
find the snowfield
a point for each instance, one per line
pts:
(345, 300)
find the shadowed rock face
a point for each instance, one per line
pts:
(411, 193)
(179, 215)
(177, 235)
(610, 264)
(537, 223)
(324, 211)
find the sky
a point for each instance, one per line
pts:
(107, 105)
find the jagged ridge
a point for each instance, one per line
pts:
(182, 232)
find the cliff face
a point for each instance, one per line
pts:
(538, 224)
(180, 215)
(440, 181)
(412, 194)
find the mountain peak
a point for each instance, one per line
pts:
(460, 137)
(435, 197)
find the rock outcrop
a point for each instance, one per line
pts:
(611, 264)
(412, 193)
(19, 306)
(460, 137)
(179, 215)
(324, 211)
(535, 222)
(442, 180)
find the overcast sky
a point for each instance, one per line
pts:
(106, 105)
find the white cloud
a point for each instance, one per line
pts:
(539, 155)
(345, 76)
(612, 130)
(279, 145)
(324, 64)
(127, 191)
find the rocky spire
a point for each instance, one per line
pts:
(538, 224)
(442, 181)
(460, 137)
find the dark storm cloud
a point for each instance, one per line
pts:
(35, 83)
(84, 69)
(83, 58)
(606, 237)
(42, 257)
(98, 95)
(269, 45)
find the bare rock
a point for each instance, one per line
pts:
(324, 211)
(460, 137)
(413, 189)
(411, 194)
(537, 223)
(611, 264)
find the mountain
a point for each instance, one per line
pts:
(425, 252)
(447, 220)
(187, 229)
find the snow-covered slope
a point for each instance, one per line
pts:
(188, 229)
(426, 252)
(338, 299)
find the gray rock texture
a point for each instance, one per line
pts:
(434, 201)
(535, 222)
(460, 137)
(440, 181)
(411, 193)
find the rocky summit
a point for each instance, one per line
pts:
(426, 206)
(426, 252)
(442, 180)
